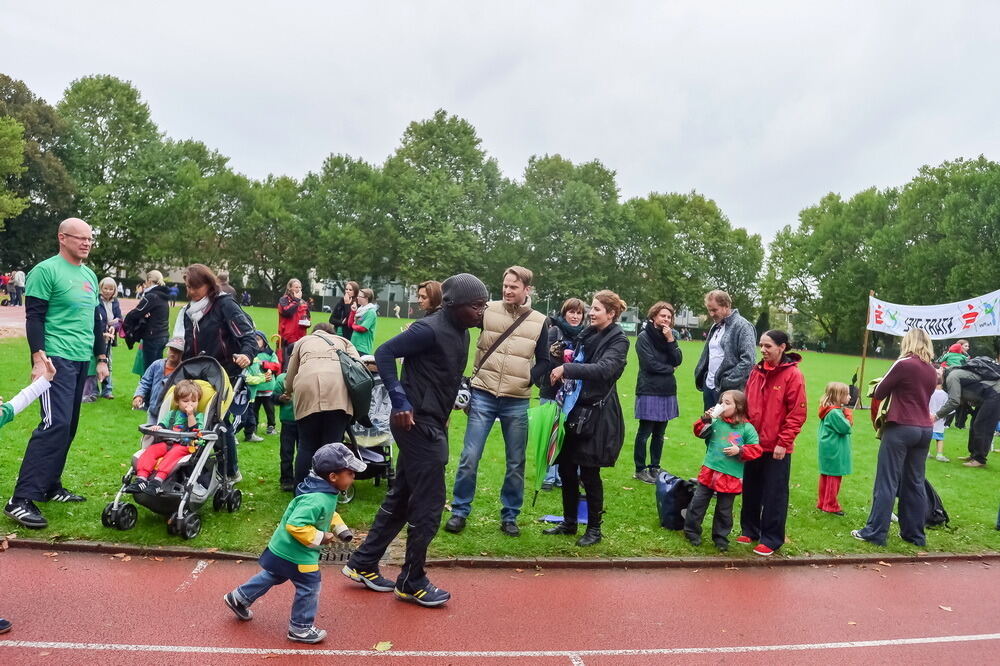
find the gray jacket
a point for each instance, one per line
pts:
(964, 386)
(739, 344)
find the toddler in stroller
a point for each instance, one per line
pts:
(185, 479)
(165, 454)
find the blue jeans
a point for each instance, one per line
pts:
(484, 410)
(710, 397)
(275, 571)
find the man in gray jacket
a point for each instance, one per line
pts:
(729, 351)
(964, 385)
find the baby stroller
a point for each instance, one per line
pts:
(198, 476)
(373, 444)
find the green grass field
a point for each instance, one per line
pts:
(107, 437)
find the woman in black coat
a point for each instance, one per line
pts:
(655, 387)
(150, 316)
(342, 309)
(595, 428)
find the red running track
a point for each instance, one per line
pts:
(95, 609)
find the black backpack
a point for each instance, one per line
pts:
(936, 515)
(673, 494)
(983, 367)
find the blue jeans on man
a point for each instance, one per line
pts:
(710, 397)
(484, 410)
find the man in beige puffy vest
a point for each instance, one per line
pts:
(501, 389)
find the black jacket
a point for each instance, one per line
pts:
(338, 317)
(604, 358)
(102, 316)
(657, 361)
(149, 318)
(225, 329)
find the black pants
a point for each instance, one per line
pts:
(315, 430)
(765, 499)
(592, 485)
(45, 455)
(653, 431)
(416, 499)
(286, 355)
(289, 441)
(710, 397)
(984, 424)
(902, 457)
(152, 350)
(722, 523)
(253, 414)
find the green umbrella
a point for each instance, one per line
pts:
(545, 436)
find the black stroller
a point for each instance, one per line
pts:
(198, 476)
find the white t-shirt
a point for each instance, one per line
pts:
(938, 398)
(715, 356)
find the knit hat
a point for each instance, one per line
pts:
(176, 343)
(334, 457)
(462, 289)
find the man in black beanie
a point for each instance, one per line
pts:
(436, 351)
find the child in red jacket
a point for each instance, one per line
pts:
(731, 440)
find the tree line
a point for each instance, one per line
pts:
(439, 204)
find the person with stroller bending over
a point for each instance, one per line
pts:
(164, 455)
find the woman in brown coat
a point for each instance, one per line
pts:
(316, 383)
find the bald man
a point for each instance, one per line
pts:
(63, 326)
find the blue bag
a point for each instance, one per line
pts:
(673, 494)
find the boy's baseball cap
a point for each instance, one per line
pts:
(334, 457)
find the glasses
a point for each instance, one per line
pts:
(82, 239)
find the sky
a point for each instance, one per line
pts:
(762, 106)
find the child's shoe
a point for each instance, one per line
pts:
(310, 635)
(138, 485)
(270, 430)
(940, 458)
(254, 438)
(153, 486)
(240, 609)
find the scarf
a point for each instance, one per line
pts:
(571, 332)
(196, 310)
(363, 309)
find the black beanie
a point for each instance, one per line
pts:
(463, 288)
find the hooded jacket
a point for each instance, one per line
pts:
(290, 312)
(835, 441)
(776, 402)
(224, 330)
(301, 529)
(154, 308)
(954, 358)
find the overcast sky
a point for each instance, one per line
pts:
(762, 106)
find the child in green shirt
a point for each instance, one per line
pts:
(293, 552)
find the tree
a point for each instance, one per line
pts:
(11, 165)
(29, 237)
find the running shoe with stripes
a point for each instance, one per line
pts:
(311, 635)
(373, 580)
(26, 513)
(428, 596)
(240, 609)
(63, 495)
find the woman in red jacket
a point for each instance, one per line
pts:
(293, 319)
(776, 402)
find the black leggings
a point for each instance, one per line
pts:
(592, 485)
(647, 429)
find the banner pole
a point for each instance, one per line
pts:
(864, 352)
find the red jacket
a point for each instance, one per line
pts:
(776, 402)
(290, 313)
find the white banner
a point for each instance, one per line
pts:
(964, 319)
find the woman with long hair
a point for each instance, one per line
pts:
(655, 387)
(343, 308)
(293, 318)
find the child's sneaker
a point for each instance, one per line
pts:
(940, 458)
(239, 609)
(428, 596)
(745, 540)
(373, 580)
(254, 438)
(270, 430)
(763, 550)
(310, 635)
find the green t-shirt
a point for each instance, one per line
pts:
(314, 509)
(721, 435)
(71, 292)
(6, 414)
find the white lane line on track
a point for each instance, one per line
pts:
(184, 649)
(198, 568)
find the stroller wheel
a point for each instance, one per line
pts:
(191, 526)
(127, 515)
(219, 499)
(346, 496)
(234, 501)
(107, 516)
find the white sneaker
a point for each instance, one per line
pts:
(254, 438)
(940, 458)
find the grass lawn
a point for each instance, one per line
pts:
(107, 437)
